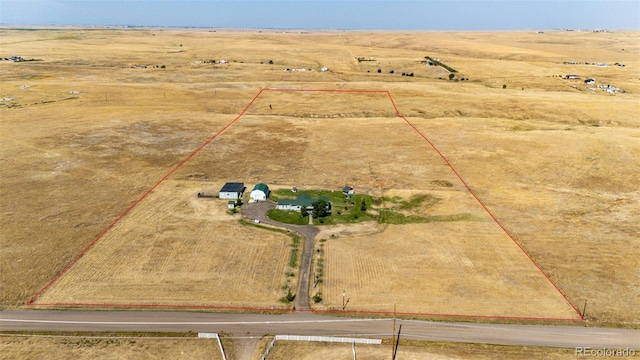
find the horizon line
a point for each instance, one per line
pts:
(101, 26)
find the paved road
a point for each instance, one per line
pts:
(306, 323)
(259, 211)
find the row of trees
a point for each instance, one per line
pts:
(393, 71)
(320, 209)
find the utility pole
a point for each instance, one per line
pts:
(584, 310)
(393, 334)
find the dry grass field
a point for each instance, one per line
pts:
(86, 131)
(86, 347)
(412, 351)
(177, 249)
(78, 347)
(427, 268)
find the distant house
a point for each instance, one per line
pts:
(232, 190)
(260, 192)
(231, 204)
(572, 77)
(302, 201)
(348, 191)
(590, 81)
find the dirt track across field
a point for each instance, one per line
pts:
(259, 211)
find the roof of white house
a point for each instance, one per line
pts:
(303, 200)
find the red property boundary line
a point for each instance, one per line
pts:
(485, 208)
(30, 302)
(135, 203)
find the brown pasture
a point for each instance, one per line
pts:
(412, 350)
(87, 347)
(85, 133)
(177, 249)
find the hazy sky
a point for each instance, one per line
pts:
(327, 14)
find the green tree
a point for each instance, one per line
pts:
(320, 209)
(451, 76)
(363, 205)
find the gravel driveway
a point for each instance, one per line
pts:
(259, 211)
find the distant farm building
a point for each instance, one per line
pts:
(260, 192)
(572, 77)
(232, 190)
(590, 81)
(348, 191)
(303, 201)
(231, 204)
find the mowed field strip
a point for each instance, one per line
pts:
(176, 250)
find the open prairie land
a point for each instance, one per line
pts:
(177, 249)
(412, 350)
(104, 114)
(87, 347)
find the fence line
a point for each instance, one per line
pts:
(213, 336)
(266, 352)
(352, 341)
(328, 339)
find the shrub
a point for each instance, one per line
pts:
(379, 71)
(289, 297)
(504, 86)
(317, 298)
(451, 76)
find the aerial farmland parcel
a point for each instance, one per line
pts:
(533, 178)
